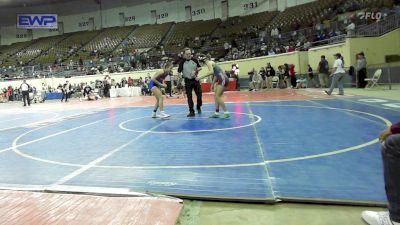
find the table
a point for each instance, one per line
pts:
(206, 87)
(53, 95)
(125, 92)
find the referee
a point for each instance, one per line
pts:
(189, 67)
(25, 88)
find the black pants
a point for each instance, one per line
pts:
(391, 168)
(195, 85)
(293, 81)
(169, 88)
(362, 74)
(25, 97)
(65, 95)
(107, 88)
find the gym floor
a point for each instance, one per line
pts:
(290, 145)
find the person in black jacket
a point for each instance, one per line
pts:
(189, 68)
(66, 90)
(270, 73)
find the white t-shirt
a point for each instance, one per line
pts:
(338, 64)
(24, 87)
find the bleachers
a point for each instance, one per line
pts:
(107, 40)
(188, 32)
(65, 47)
(147, 36)
(9, 50)
(37, 47)
(304, 15)
(235, 25)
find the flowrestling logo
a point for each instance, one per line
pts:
(376, 16)
(37, 21)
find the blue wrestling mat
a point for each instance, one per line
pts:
(317, 151)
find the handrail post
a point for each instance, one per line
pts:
(389, 77)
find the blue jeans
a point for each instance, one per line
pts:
(391, 166)
(339, 79)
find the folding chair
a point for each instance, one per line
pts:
(372, 82)
(275, 81)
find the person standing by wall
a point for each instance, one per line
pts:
(25, 88)
(390, 149)
(66, 89)
(323, 71)
(361, 68)
(189, 68)
(292, 74)
(107, 86)
(262, 73)
(270, 71)
(168, 82)
(235, 73)
(310, 77)
(337, 74)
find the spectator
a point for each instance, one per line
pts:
(168, 81)
(301, 82)
(271, 52)
(310, 77)
(390, 149)
(361, 69)
(270, 73)
(10, 94)
(226, 47)
(263, 74)
(323, 70)
(351, 29)
(292, 74)
(107, 86)
(281, 75)
(130, 82)
(286, 75)
(66, 90)
(255, 80)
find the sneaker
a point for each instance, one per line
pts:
(326, 92)
(164, 115)
(154, 115)
(191, 114)
(214, 116)
(226, 116)
(377, 218)
(198, 111)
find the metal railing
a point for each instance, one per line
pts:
(382, 27)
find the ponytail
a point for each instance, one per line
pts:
(168, 64)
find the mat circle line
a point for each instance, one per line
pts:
(259, 119)
(334, 152)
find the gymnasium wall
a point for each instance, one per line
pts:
(314, 54)
(388, 44)
(299, 59)
(375, 49)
